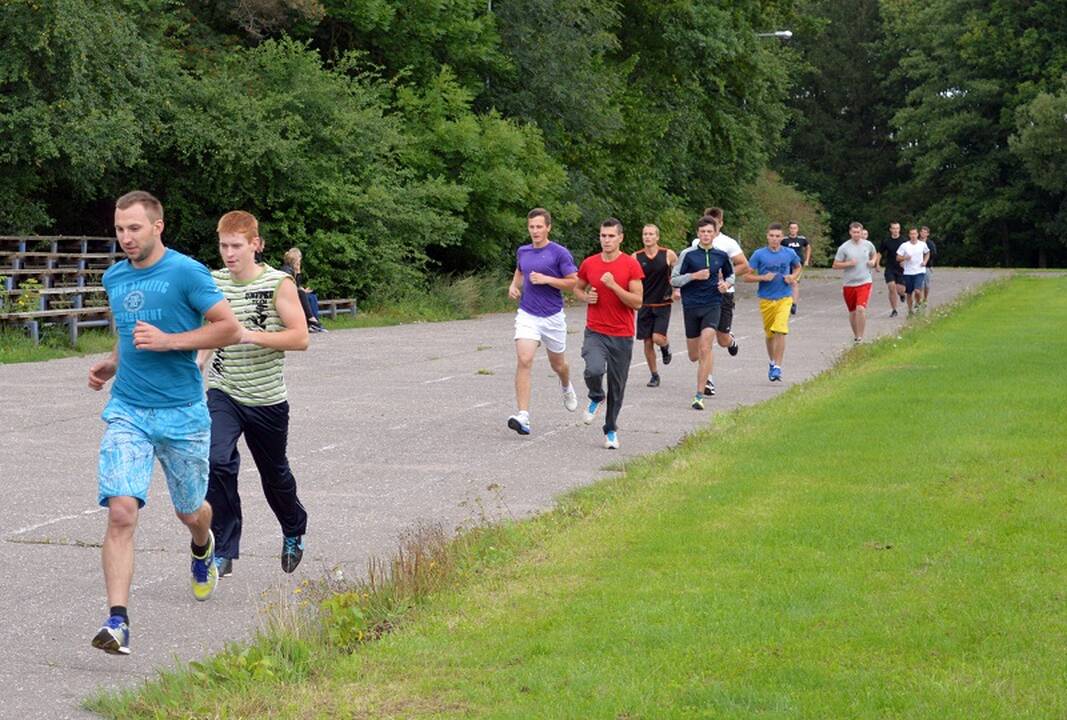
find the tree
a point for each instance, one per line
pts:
(971, 67)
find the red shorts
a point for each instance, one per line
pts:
(856, 296)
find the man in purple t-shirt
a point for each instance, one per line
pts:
(543, 271)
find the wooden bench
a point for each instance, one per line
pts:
(74, 318)
(333, 307)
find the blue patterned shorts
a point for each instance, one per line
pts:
(180, 437)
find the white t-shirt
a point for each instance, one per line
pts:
(727, 244)
(913, 257)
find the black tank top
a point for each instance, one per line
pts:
(657, 282)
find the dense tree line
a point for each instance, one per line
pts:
(950, 113)
(390, 139)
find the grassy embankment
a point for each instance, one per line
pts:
(884, 541)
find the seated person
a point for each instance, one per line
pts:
(309, 301)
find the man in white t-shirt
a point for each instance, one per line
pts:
(723, 331)
(913, 256)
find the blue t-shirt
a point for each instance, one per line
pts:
(780, 263)
(173, 294)
(552, 259)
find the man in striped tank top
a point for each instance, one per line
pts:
(654, 317)
(246, 392)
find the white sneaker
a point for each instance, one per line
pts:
(570, 399)
(611, 440)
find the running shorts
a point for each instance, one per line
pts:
(856, 295)
(775, 315)
(653, 320)
(699, 318)
(551, 330)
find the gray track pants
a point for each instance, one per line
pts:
(610, 355)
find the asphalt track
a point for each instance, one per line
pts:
(389, 427)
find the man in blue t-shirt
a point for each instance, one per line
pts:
(159, 300)
(543, 270)
(776, 269)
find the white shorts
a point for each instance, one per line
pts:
(551, 330)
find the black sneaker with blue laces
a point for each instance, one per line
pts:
(113, 637)
(292, 552)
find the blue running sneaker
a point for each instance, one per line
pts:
(113, 637)
(770, 372)
(205, 571)
(520, 423)
(225, 566)
(698, 402)
(591, 411)
(775, 374)
(611, 440)
(292, 552)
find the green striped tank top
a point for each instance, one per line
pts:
(250, 374)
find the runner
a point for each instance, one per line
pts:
(924, 235)
(913, 256)
(654, 317)
(894, 275)
(856, 257)
(701, 273)
(610, 282)
(724, 329)
(776, 269)
(800, 245)
(159, 300)
(247, 395)
(544, 269)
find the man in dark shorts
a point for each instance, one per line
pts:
(701, 273)
(894, 274)
(654, 317)
(800, 245)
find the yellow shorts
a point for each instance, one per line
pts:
(775, 315)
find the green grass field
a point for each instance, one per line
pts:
(887, 540)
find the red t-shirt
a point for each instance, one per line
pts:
(609, 316)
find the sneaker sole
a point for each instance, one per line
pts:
(517, 427)
(106, 641)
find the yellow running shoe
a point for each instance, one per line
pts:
(205, 572)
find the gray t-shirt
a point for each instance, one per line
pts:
(861, 252)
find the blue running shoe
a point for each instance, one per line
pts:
(225, 566)
(776, 374)
(520, 423)
(292, 552)
(113, 637)
(611, 440)
(591, 411)
(698, 402)
(205, 571)
(770, 372)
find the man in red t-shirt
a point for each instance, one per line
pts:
(610, 282)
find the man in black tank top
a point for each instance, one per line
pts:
(655, 314)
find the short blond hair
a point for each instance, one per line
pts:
(292, 256)
(151, 204)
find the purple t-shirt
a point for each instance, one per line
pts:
(552, 259)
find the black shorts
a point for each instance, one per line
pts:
(699, 318)
(653, 320)
(726, 314)
(894, 277)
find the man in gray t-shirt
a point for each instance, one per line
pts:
(856, 257)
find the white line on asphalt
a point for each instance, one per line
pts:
(428, 382)
(83, 513)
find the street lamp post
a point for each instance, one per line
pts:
(780, 34)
